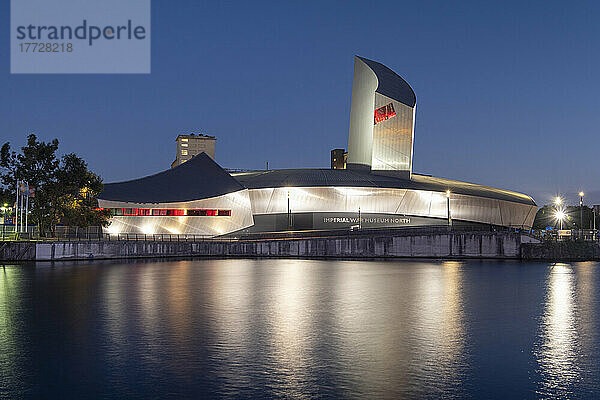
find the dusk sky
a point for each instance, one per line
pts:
(507, 94)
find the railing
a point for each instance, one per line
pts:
(9, 232)
(65, 233)
(586, 235)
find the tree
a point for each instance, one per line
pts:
(64, 189)
(77, 196)
(545, 217)
(5, 198)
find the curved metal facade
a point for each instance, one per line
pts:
(362, 106)
(403, 202)
(393, 138)
(237, 202)
(334, 200)
(380, 143)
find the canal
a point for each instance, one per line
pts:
(288, 328)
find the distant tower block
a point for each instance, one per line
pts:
(191, 145)
(382, 119)
(338, 158)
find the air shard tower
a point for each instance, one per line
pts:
(382, 119)
(377, 189)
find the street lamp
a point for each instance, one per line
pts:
(581, 211)
(560, 216)
(448, 208)
(559, 212)
(289, 215)
(594, 231)
(359, 220)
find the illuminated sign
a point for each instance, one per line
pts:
(383, 113)
(368, 220)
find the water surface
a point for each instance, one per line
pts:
(299, 329)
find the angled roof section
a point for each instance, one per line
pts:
(199, 178)
(354, 178)
(391, 84)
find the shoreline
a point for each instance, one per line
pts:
(376, 245)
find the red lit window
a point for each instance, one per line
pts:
(167, 212)
(175, 212)
(384, 113)
(208, 213)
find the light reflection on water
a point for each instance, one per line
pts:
(299, 328)
(568, 335)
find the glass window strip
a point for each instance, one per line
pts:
(167, 212)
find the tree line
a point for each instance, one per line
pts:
(65, 190)
(546, 217)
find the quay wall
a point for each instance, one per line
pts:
(561, 251)
(501, 245)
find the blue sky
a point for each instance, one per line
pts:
(507, 92)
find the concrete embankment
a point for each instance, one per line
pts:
(561, 251)
(501, 245)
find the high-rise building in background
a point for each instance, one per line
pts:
(338, 158)
(191, 145)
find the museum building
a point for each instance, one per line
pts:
(377, 188)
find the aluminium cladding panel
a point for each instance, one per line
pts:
(238, 202)
(517, 215)
(362, 108)
(391, 201)
(479, 209)
(325, 199)
(393, 137)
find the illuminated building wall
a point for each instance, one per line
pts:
(197, 197)
(398, 202)
(236, 204)
(317, 208)
(393, 136)
(382, 115)
(362, 106)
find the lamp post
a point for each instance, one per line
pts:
(289, 216)
(17, 211)
(448, 209)
(560, 216)
(4, 211)
(581, 211)
(594, 213)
